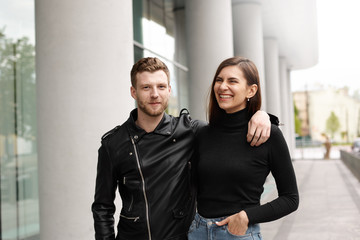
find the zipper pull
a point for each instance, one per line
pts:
(124, 180)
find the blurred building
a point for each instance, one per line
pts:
(64, 75)
(316, 106)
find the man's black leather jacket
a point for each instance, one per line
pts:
(152, 173)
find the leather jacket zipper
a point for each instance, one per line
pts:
(130, 218)
(132, 197)
(131, 203)
(143, 187)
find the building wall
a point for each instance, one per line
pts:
(321, 104)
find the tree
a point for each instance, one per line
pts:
(297, 120)
(332, 124)
(17, 88)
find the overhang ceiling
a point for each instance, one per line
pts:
(294, 24)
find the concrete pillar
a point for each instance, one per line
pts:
(210, 41)
(248, 36)
(272, 77)
(285, 99)
(84, 54)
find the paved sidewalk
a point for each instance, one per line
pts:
(329, 204)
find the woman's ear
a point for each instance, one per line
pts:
(252, 90)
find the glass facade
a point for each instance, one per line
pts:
(19, 199)
(156, 33)
(155, 29)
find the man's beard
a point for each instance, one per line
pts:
(151, 112)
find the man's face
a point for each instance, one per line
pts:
(152, 92)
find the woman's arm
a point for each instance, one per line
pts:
(288, 197)
(283, 172)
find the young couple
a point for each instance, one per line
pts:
(180, 178)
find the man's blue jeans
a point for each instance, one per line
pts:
(206, 229)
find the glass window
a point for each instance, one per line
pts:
(154, 36)
(19, 206)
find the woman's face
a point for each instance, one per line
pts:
(231, 89)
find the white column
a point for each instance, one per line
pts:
(84, 54)
(285, 99)
(248, 36)
(210, 41)
(272, 77)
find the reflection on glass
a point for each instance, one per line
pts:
(19, 207)
(157, 38)
(154, 28)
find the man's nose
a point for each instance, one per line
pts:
(154, 93)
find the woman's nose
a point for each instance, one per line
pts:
(223, 86)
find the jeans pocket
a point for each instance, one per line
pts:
(247, 236)
(259, 237)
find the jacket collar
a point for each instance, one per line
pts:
(136, 133)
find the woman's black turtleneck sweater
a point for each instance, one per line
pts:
(231, 174)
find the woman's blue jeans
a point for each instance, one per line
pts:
(206, 229)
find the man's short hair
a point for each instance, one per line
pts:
(148, 64)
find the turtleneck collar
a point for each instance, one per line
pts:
(237, 120)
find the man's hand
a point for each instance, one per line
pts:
(259, 128)
(237, 223)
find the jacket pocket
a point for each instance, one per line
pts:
(130, 189)
(134, 219)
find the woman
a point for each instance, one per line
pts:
(230, 173)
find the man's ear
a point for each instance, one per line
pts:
(252, 90)
(133, 92)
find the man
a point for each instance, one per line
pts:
(148, 158)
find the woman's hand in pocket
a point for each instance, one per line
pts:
(237, 223)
